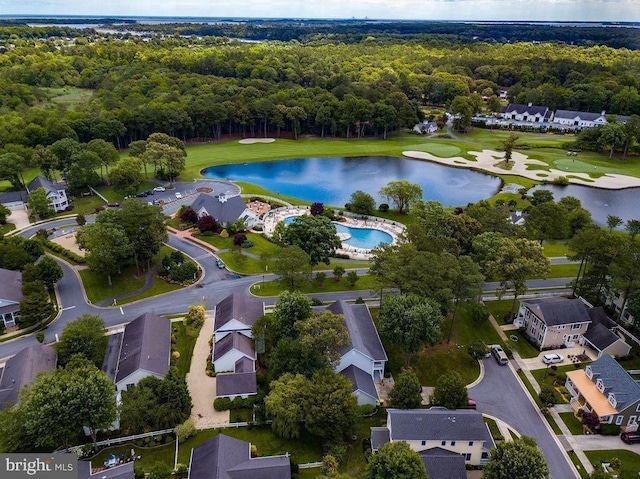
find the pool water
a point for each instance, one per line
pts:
(367, 238)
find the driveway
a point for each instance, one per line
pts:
(502, 395)
(20, 218)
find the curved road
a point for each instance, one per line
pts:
(501, 394)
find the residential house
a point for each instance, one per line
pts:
(461, 431)
(363, 360)
(224, 209)
(577, 120)
(21, 369)
(56, 193)
(527, 113)
(553, 322)
(605, 388)
(602, 335)
(10, 296)
(233, 348)
(225, 457)
(443, 464)
(615, 300)
(145, 350)
(426, 126)
(122, 471)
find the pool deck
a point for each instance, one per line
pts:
(273, 217)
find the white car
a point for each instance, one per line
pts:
(178, 195)
(159, 188)
(552, 358)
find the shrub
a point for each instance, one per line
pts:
(479, 312)
(185, 430)
(359, 300)
(316, 208)
(189, 216)
(257, 228)
(40, 336)
(561, 181)
(222, 404)
(383, 207)
(239, 238)
(548, 395)
(207, 223)
(224, 234)
(319, 278)
(247, 244)
(316, 302)
(609, 429)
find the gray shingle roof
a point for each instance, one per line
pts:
(599, 316)
(239, 307)
(531, 110)
(582, 115)
(124, 471)
(438, 424)
(13, 196)
(616, 381)
(443, 464)
(379, 437)
(243, 365)
(600, 336)
(361, 380)
(146, 345)
(225, 457)
(556, 311)
(236, 384)
(228, 210)
(10, 285)
(22, 368)
(362, 332)
(231, 341)
(40, 182)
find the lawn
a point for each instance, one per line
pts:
(434, 361)
(572, 422)
(554, 250)
(547, 376)
(499, 309)
(355, 463)
(524, 348)
(261, 246)
(569, 270)
(274, 288)
(630, 461)
(84, 205)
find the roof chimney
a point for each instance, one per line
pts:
(603, 112)
(530, 104)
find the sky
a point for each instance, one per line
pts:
(543, 10)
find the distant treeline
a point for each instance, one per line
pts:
(356, 31)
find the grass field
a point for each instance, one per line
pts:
(185, 342)
(554, 250)
(574, 425)
(434, 361)
(69, 96)
(630, 461)
(273, 288)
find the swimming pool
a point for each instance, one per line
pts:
(366, 238)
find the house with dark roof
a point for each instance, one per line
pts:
(553, 322)
(461, 431)
(602, 336)
(10, 296)
(236, 312)
(56, 193)
(224, 209)
(576, 120)
(606, 389)
(527, 113)
(225, 457)
(443, 464)
(21, 369)
(145, 350)
(234, 356)
(122, 471)
(426, 126)
(363, 360)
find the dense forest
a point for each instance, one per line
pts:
(197, 88)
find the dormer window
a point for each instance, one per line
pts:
(589, 372)
(612, 400)
(600, 385)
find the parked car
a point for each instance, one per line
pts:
(178, 195)
(159, 188)
(500, 355)
(156, 202)
(552, 358)
(630, 437)
(220, 263)
(113, 205)
(471, 404)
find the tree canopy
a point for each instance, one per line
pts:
(396, 460)
(520, 458)
(315, 235)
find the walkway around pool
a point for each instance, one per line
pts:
(273, 217)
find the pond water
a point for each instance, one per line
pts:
(623, 203)
(332, 180)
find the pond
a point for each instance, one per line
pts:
(600, 202)
(332, 180)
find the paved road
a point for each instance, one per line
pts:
(500, 394)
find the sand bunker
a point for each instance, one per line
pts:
(251, 141)
(489, 160)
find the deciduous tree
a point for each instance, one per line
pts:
(520, 458)
(315, 235)
(450, 391)
(396, 460)
(406, 391)
(85, 335)
(403, 193)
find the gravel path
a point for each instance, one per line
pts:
(202, 387)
